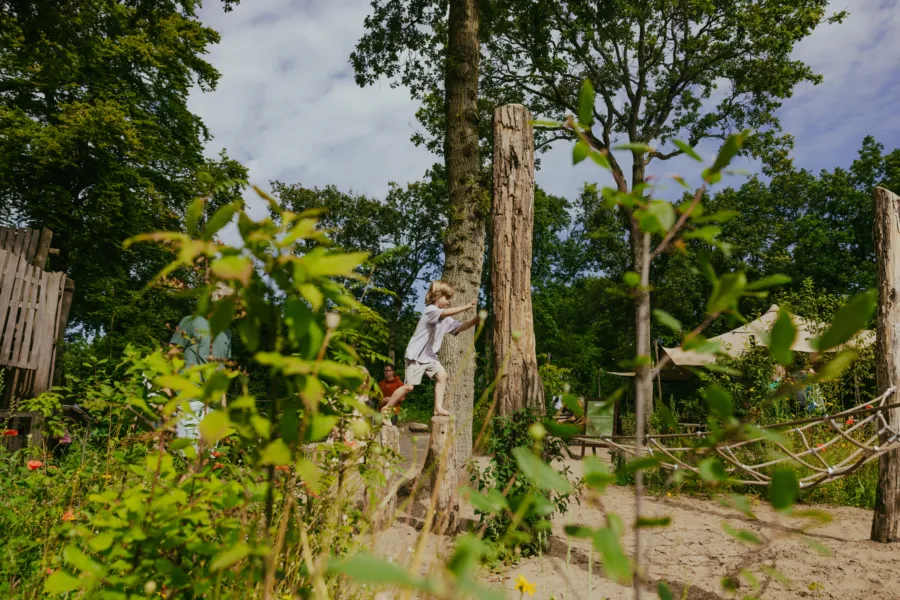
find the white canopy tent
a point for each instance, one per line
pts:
(738, 341)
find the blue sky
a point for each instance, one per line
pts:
(288, 108)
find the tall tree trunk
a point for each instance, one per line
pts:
(640, 248)
(886, 521)
(512, 230)
(464, 243)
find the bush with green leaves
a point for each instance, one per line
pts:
(523, 525)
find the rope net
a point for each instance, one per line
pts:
(851, 439)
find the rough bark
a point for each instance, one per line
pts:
(443, 477)
(886, 520)
(512, 230)
(389, 438)
(464, 242)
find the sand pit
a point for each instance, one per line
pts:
(693, 554)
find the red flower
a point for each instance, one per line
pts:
(10, 432)
(216, 454)
(868, 406)
(49, 571)
(69, 515)
(218, 466)
(283, 468)
(821, 446)
(850, 421)
(34, 464)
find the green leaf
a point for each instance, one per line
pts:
(214, 426)
(596, 474)
(727, 290)
(784, 489)
(742, 534)
(365, 568)
(686, 148)
(663, 591)
(849, 320)
(728, 151)
(82, 561)
(767, 282)
(223, 315)
(586, 104)
(579, 152)
(642, 464)
(711, 470)
(494, 503)
(720, 216)
(646, 522)
(540, 473)
(222, 218)
(276, 453)
(667, 320)
(658, 217)
(600, 159)
(193, 215)
(615, 563)
(320, 426)
(719, 401)
(571, 402)
(101, 542)
(783, 335)
(308, 472)
(837, 365)
(233, 268)
(229, 557)
(561, 430)
(333, 265)
(708, 233)
(635, 147)
(61, 582)
(631, 279)
(546, 123)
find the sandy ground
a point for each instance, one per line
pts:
(692, 555)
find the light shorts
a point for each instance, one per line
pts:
(415, 370)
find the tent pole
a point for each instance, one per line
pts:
(658, 378)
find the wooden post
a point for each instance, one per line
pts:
(439, 477)
(388, 438)
(886, 521)
(512, 230)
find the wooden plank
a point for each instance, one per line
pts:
(8, 329)
(28, 318)
(30, 284)
(43, 251)
(20, 242)
(33, 248)
(49, 324)
(66, 308)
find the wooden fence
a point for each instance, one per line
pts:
(34, 245)
(31, 313)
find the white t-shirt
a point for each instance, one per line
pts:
(426, 341)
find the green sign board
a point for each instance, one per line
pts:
(599, 419)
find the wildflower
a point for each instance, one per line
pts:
(49, 571)
(34, 464)
(821, 447)
(216, 454)
(107, 476)
(69, 515)
(850, 421)
(218, 466)
(523, 586)
(868, 406)
(283, 468)
(10, 432)
(66, 439)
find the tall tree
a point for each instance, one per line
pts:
(98, 143)
(453, 54)
(661, 71)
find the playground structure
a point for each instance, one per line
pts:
(34, 311)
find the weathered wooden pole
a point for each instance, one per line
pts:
(512, 229)
(886, 522)
(381, 503)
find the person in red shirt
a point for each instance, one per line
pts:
(389, 385)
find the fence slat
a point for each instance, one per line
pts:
(9, 327)
(48, 323)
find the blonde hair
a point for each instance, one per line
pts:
(439, 289)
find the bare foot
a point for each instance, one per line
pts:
(441, 412)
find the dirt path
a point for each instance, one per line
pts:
(693, 554)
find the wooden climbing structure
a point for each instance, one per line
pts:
(34, 312)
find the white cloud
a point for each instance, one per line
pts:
(288, 108)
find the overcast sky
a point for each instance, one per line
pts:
(287, 106)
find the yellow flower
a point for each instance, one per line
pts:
(522, 585)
